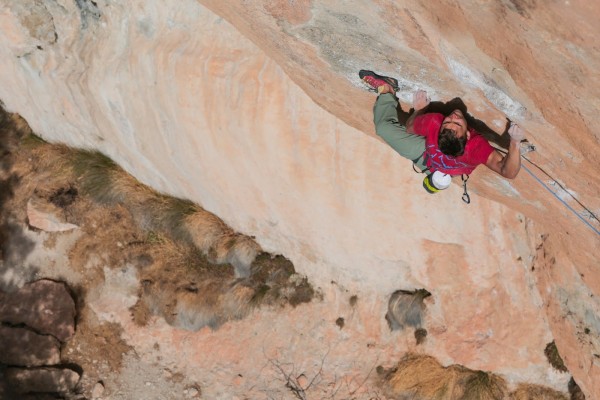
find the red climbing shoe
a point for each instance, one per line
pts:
(375, 81)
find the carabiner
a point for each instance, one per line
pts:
(465, 197)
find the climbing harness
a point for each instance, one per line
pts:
(465, 197)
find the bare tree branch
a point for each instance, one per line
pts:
(366, 378)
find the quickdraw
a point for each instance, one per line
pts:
(465, 197)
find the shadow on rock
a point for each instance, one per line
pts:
(35, 321)
(14, 244)
(456, 103)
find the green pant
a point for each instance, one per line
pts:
(408, 145)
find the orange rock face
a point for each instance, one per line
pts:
(255, 110)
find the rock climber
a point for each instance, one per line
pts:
(440, 146)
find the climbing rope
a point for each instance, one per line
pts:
(592, 215)
(564, 202)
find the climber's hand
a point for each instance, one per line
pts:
(516, 133)
(420, 100)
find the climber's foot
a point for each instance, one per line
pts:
(378, 83)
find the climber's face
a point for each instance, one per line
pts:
(456, 122)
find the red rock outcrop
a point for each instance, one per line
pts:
(26, 348)
(45, 306)
(34, 322)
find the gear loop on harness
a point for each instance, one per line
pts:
(465, 197)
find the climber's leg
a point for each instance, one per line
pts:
(389, 128)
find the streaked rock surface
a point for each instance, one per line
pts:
(254, 110)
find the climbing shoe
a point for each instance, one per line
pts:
(437, 181)
(375, 81)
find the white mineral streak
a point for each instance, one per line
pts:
(495, 95)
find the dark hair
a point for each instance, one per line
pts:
(451, 145)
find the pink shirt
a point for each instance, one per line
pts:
(477, 149)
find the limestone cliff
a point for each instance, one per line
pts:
(255, 111)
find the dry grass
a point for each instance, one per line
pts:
(206, 229)
(536, 392)
(220, 243)
(421, 377)
(181, 286)
(181, 219)
(482, 385)
(13, 129)
(109, 236)
(554, 358)
(104, 181)
(195, 271)
(133, 193)
(95, 173)
(30, 155)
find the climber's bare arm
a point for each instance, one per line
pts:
(420, 103)
(508, 165)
